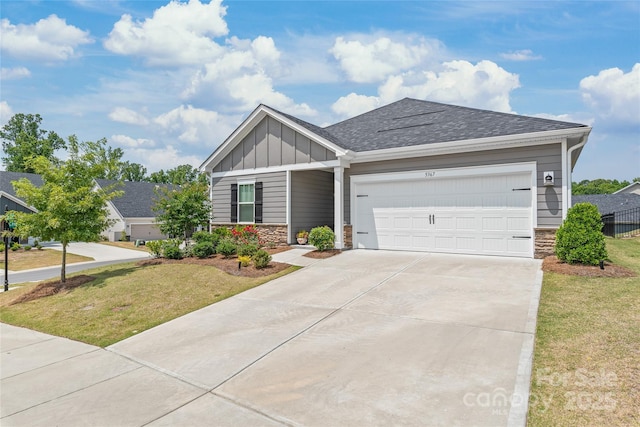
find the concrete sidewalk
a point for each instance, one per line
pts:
(362, 338)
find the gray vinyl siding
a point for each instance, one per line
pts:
(270, 143)
(311, 200)
(274, 197)
(548, 158)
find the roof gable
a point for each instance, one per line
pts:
(138, 198)
(6, 178)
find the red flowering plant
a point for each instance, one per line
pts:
(247, 235)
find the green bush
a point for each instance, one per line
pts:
(579, 239)
(204, 236)
(322, 238)
(2, 247)
(248, 249)
(155, 246)
(26, 247)
(221, 232)
(15, 246)
(261, 258)
(226, 247)
(172, 251)
(203, 249)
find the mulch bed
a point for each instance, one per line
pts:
(51, 288)
(322, 254)
(551, 263)
(228, 265)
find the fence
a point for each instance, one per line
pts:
(622, 224)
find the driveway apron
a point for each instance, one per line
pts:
(362, 338)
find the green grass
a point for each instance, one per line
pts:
(26, 260)
(586, 368)
(124, 300)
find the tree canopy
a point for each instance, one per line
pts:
(23, 139)
(69, 207)
(178, 176)
(599, 186)
(180, 210)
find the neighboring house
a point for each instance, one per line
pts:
(633, 188)
(412, 175)
(133, 213)
(609, 203)
(8, 198)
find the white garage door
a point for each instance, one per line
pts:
(482, 214)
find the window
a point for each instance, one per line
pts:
(246, 203)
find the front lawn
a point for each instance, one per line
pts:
(586, 368)
(25, 260)
(124, 299)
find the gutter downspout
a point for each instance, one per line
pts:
(567, 203)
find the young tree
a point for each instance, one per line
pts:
(23, 139)
(68, 206)
(181, 210)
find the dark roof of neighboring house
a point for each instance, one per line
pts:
(7, 177)
(609, 203)
(410, 122)
(138, 198)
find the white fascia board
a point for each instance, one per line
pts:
(470, 145)
(329, 164)
(252, 121)
(16, 200)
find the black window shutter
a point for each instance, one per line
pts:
(234, 202)
(258, 202)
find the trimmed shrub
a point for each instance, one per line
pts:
(204, 236)
(322, 238)
(261, 258)
(248, 249)
(226, 247)
(155, 246)
(579, 239)
(172, 251)
(203, 249)
(2, 247)
(15, 246)
(26, 247)
(221, 232)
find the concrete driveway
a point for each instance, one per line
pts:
(363, 338)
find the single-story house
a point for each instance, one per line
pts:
(633, 188)
(412, 175)
(132, 213)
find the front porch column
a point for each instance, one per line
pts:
(338, 206)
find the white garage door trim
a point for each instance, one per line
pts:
(520, 246)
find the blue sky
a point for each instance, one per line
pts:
(169, 81)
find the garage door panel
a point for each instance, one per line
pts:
(473, 214)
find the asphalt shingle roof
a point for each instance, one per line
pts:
(609, 203)
(7, 177)
(137, 200)
(410, 122)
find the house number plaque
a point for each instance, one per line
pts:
(429, 174)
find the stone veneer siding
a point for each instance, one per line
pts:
(348, 236)
(545, 240)
(269, 234)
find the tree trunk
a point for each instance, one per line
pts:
(63, 270)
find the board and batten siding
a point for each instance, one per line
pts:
(274, 197)
(548, 157)
(311, 200)
(270, 143)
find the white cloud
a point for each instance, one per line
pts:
(614, 95)
(49, 39)
(6, 112)
(14, 73)
(196, 126)
(483, 85)
(368, 62)
(165, 158)
(129, 142)
(177, 34)
(125, 115)
(520, 55)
